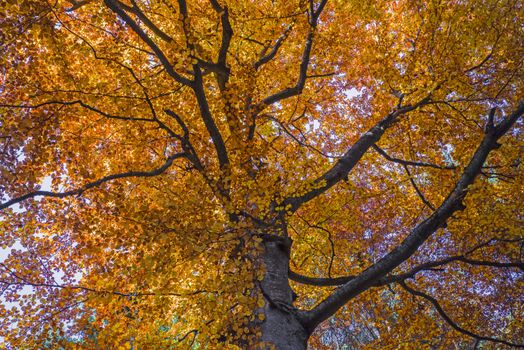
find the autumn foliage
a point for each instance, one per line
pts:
(167, 168)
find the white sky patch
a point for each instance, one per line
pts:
(5, 251)
(350, 93)
(45, 185)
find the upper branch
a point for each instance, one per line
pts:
(314, 14)
(138, 12)
(187, 146)
(25, 283)
(420, 233)
(297, 89)
(227, 34)
(200, 94)
(205, 112)
(114, 6)
(344, 165)
(96, 183)
(265, 58)
(417, 189)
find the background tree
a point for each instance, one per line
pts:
(170, 170)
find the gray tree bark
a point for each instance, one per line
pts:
(282, 326)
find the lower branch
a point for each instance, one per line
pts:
(429, 266)
(319, 281)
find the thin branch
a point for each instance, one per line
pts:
(408, 162)
(187, 146)
(321, 75)
(179, 120)
(205, 113)
(455, 326)
(465, 260)
(93, 184)
(100, 291)
(488, 56)
(429, 266)
(330, 239)
(193, 331)
(288, 132)
(299, 86)
(77, 102)
(419, 192)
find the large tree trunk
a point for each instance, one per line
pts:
(281, 326)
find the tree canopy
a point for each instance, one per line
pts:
(247, 174)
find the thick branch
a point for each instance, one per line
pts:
(205, 113)
(455, 326)
(198, 88)
(96, 183)
(419, 234)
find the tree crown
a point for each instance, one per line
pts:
(151, 149)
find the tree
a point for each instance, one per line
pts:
(237, 173)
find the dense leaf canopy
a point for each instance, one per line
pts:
(148, 148)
